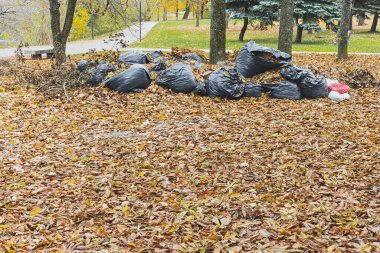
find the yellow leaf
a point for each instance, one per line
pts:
(213, 237)
(161, 116)
(88, 202)
(234, 195)
(35, 211)
(125, 209)
(331, 248)
(71, 182)
(3, 226)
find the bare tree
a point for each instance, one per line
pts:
(285, 39)
(6, 11)
(218, 31)
(60, 36)
(197, 13)
(343, 33)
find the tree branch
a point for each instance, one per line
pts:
(69, 18)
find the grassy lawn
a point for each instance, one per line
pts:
(184, 34)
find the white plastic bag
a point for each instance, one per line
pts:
(336, 96)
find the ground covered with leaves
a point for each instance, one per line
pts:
(158, 171)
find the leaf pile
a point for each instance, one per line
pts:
(159, 172)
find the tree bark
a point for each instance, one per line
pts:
(187, 10)
(243, 29)
(202, 9)
(361, 20)
(375, 21)
(285, 39)
(218, 31)
(299, 34)
(177, 10)
(343, 29)
(60, 36)
(197, 13)
(158, 11)
(165, 16)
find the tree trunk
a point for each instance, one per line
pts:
(285, 39)
(343, 29)
(197, 14)
(218, 31)
(158, 11)
(299, 34)
(60, 36)
(165, 16)
(202, 9)
(177, 10)
(361, 20)
(375, 21)
(187, 10)
(243, 29)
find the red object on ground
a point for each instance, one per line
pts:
(339, 87)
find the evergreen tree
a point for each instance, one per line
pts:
(312, 12)
(263, 11)
(361, 7)
(307, 13)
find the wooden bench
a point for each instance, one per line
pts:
(37, 54)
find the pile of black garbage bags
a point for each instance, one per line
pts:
(225, 82)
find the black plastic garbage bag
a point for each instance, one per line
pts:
(136, 77)
(179, 78)
(199, 65)
(133, 57)
(296, 74)
(156, 54)
(192, 56)
(285, 90)
(83, 65)
(314, 87)
(100, 72)
(200, 89)
(225, 83)
(159, 65)
(253, 90)
(254, 59)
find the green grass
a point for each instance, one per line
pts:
(184, 34)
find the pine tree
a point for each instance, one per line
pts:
(368, 6)
(307, 13)
(263, 11)
(312, 12)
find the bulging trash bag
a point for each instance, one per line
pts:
(314, 87)
(83, 65)
(225, 83)
(285, 90)
(159, 65)
(199, 65)
(100, 72)
(253, 90)
(133, 57)
(336, 96)
(192, 56)
(295, 74)
(136, 77)
(200, 89)
(156, 54)
(179, 78)
(254, 59)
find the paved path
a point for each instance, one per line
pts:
(131, 35)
